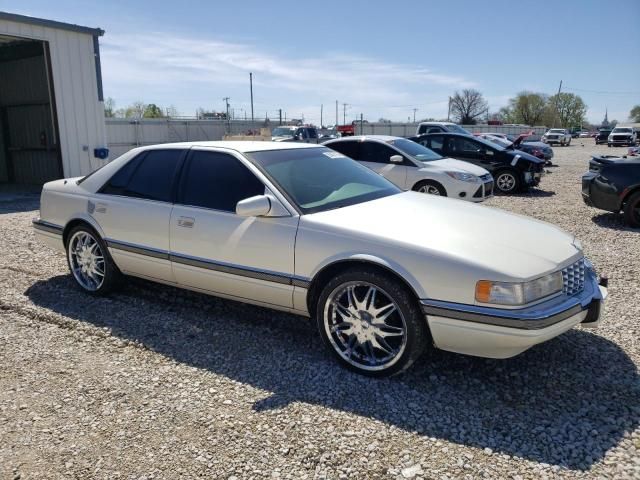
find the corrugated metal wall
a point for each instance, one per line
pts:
(80, 113)
(124, 134)
(409, 129)
(25, 106)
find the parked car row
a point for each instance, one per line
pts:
(303, 228)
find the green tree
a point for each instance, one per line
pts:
(634, 114)
(109, 107)
(528, 108)
(152, 111)
(569, 109)
(467, 106)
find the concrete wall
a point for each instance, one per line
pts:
(409, 129)
(125, 134)
(79, 111)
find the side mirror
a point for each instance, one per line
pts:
(396, 159)
(258, 206)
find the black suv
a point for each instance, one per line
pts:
(603, 135)
(513, 170)
(613, 184)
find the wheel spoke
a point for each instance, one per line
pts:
(383, 313)
(368, 348)
(342, 310)
(369, 298)
(381, 344)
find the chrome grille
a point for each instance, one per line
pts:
(573, 278)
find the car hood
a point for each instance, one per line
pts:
(453, 164)
(524, 156)
(283, 138)
(511, 246)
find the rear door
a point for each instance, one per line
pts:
(215, 250)
(133, 209)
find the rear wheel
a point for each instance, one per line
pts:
(90, 262)
(507, 181)
(371, 323)
(430, 187)
(632, 210)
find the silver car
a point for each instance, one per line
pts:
(304, 229)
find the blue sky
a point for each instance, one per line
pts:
(383, 62)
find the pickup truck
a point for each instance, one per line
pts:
(557, 135)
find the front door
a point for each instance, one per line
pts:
(217, 251)
(377, 157)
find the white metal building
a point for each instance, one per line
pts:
(51, 103)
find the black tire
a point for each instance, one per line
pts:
(408, 314)
(112, 276)
(569, 142)
(632, 210)
(430, 187)
(512, 186)
(609, 145)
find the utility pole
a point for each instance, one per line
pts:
(414, 115)
(557, 98)
(344, 113)
(251, 90)
(321, 107)
(336, 113)
(226, 100)
(280, 116)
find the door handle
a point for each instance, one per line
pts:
(186, 222)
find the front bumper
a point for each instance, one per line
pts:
(503, 333)
(621, 141)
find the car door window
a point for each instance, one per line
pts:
(217, 181)
(436, 143)
(376, 152)
(350, 148)
(148, 176)
(463, 146)
(312, 133)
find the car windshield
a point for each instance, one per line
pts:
(319, 179)
(282, 132)
(417, 151)
(556, 130)
(493, 145)
(621, 130)
(458, 129)
(497, 140)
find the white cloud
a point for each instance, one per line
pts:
(186, 71)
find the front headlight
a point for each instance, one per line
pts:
(610, 137)
(462, 176)
(507, 293)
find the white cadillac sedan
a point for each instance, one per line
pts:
(304, 229)
(412, 166)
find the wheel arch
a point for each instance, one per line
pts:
(627, 193)
(337, 266)
(81, 219)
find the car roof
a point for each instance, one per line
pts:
(242, 146)
(379, 138)
(437, 123)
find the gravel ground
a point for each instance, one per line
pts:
(154, 382)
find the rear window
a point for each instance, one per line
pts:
(148, 176)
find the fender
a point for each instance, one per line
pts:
(390, 265)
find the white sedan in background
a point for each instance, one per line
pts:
(412, 166)
(304, 229)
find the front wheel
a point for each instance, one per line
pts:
(90, 262)
(507, 181)
(430, 187)
(632, 210)
(371, 323)
(569, 142)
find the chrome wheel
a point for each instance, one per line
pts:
(86, 260)
(506, 182)
(430, 189)
(365, 326)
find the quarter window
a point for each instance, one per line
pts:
(148, 176)
(218, 181)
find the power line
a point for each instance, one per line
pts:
(601, 92)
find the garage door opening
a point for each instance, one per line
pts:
(29, 144)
